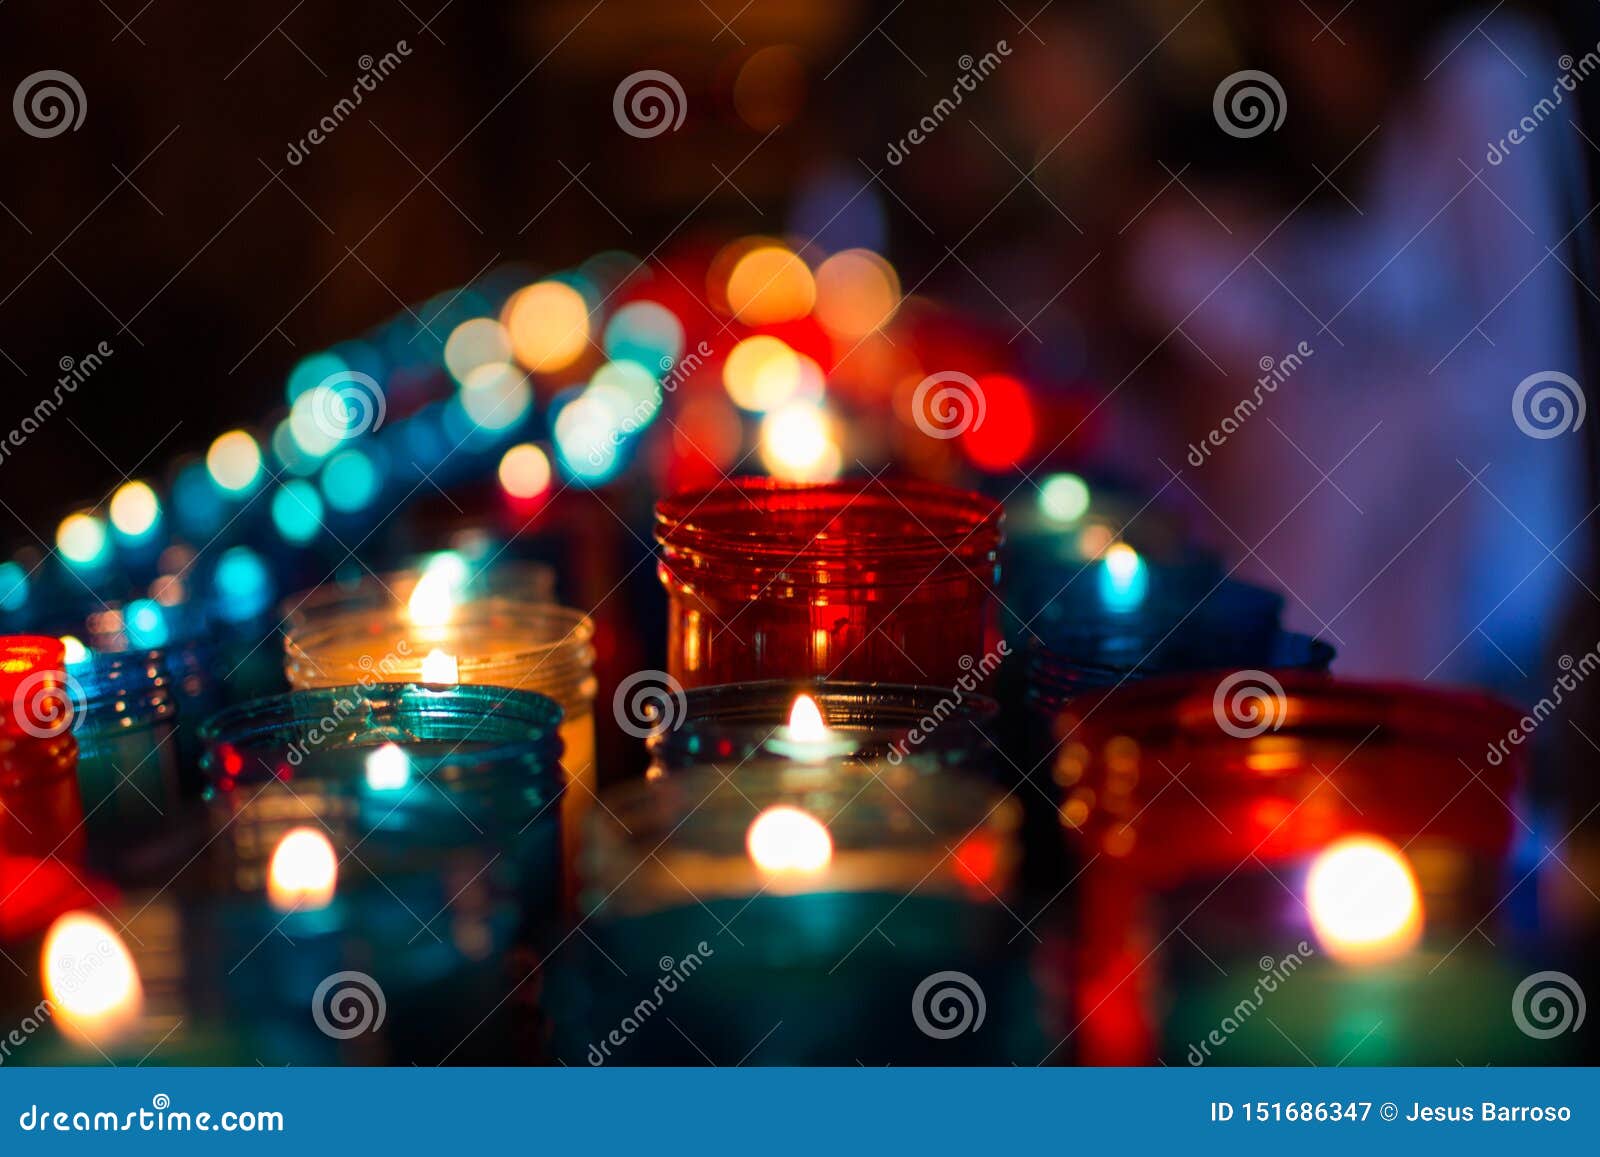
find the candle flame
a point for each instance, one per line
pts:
(90, 979)
(440, 667)
(1364, 901)
(304, 871)
(786, 839)
(433, 600)
(388, 768)
(806, 724)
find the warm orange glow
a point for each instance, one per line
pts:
(90, 979)
(770, 284)
(806, 724)
(1363, 900)
(304, 871)
(798, 444)
(857, 292)
(525, 471)
(549, 326)
(786, 839)
(762, 373)
(440, 667)
(433, 601)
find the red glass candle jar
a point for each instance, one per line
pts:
(41, 810)
(1345, 841)
(873, 580)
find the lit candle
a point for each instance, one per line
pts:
(90, 980)
(440, 667)
(787, 839)
(807, 736)
(304, 872)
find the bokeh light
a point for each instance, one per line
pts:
(798, 444)
(588, 438)
(525, 471)
(90, 979)
(13, 586)
(496, 397)
(311, 371)
(388, 768)
(243, 583)
(1124, 578)
(857, 292)
(234, 461)
(770, 284)
(73, 650)
(479, 341)
(146, 624)
(761, 373)
(297, 511)
(1364, 902)
(549, 326)
(786, 839)
(1064, 498)
(134, 510)
(644, 332)
(304, 871)
(770, 89)
(1005, 435)
(81, 539)
(350, 481)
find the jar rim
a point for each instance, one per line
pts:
(860, 520)
(542, 631)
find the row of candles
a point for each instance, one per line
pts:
(853, 737)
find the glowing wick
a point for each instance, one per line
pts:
(90, 979)
(433, 600)
(440, 667)
(806, 724)
(388, 768)
(304, 871)
(786, 839)
(1363, 901)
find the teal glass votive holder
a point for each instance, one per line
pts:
(807, 914)
(128, 762)
(410, 833)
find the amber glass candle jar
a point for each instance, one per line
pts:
(868, 580)
(41, 809)
(1327, 852)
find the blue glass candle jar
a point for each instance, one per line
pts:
(805, 914)
(406, 832)
(866, 724)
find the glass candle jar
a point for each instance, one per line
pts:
(407, 832)
(890, 581)
(807, 914)
(127, 760)
(1330, 853)
(41, 810)
(864, 724)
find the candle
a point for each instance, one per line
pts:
(802, 912)
(877, 580)
(41, 809)
(442, 579)
(1343, 841)
(864, 724)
